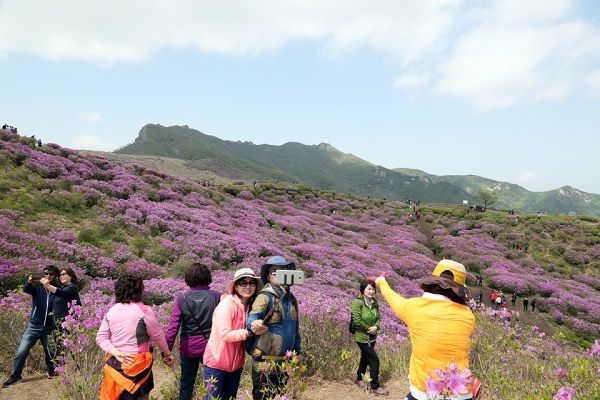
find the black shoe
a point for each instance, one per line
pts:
(10, 381)
(52, 374)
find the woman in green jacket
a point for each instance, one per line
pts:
(365, 317)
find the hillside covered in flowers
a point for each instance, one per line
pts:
(102, 218)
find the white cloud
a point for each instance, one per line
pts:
(412, 80)
(91, 117)
(529, 177)
(90, 142)
(494, 53)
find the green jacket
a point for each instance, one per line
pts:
(363, 318)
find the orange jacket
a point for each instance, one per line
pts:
(130, 378)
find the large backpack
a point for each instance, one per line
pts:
(250, 343)
(198, 306)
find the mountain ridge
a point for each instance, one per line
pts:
(324, 166)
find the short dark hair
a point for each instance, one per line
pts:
(197, 274)
(129, 288)
(71, 273)
(365, 283)
(52, 269)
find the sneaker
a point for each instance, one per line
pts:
(52, 374)
(380, 391)
(360, 383)
(10, 381)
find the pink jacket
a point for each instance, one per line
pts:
(129, 327)
(224, 349)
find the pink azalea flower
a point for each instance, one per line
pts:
(596, 347)
(564, 393)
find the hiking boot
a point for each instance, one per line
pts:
(52, 374)
(360, 383)
(380, 391)
(10, 381)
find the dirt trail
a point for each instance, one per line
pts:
(528, 318)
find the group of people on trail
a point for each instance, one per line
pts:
(257, 316)
(497, 299)
(527, 303)
(9, 128)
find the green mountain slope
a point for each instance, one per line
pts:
(325, 167)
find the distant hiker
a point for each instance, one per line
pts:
(442, 304)
(525, 304)
(498, 301)
(533, 302)
(514, 298)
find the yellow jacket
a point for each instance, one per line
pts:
(440, 331)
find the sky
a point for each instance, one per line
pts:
(508, 90)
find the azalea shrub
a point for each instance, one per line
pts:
(103, 218)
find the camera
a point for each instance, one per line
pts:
(289, 277)
(35, 278)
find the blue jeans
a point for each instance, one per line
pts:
(32, 334)
(189, 370)
(226, 383)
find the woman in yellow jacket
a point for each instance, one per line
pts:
(439, 322)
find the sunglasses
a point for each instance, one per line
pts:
(245, 283)
(49, 274)
(63, 273)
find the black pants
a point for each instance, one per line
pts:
(267, 385)
(369, 358)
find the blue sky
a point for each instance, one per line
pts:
(508, 90)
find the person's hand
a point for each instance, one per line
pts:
(30, 280)
(169, 360)
(258, 328)
(123, 358)
(376, 278)
(372, 330)
(45, 281)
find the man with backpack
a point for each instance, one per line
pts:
(276, 308)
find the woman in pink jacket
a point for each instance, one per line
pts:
(224, 355)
